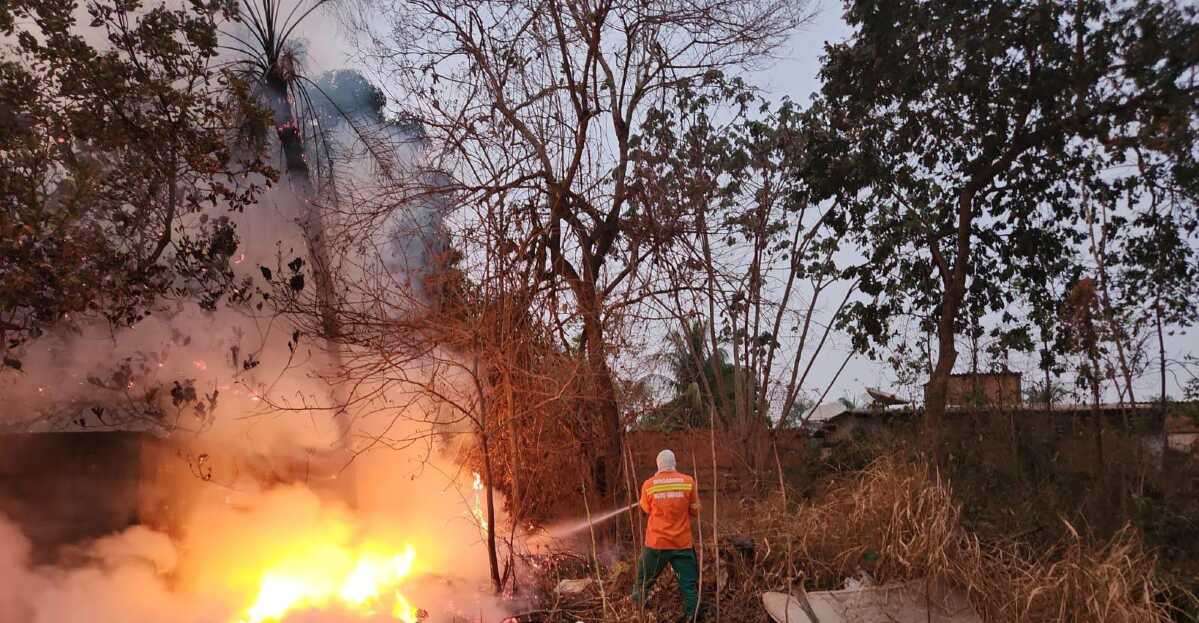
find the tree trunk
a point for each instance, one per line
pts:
(954, 280)
(311, 222)
(492, 559)
(514, 501)
(607, 468)
(1048, 384)
(1161, 350)
(1097, 426)
(938, 384)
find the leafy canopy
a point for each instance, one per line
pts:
(968, 143)
(116, 169)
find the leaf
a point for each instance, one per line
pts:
(266, 272)
(296, 283)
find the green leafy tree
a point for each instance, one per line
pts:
(1159, 282)
(116, 166)
(743, 246)
(965, 140)
(1190, 386)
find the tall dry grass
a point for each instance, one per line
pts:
(897, 520)
(1077, 581)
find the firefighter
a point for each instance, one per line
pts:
(670, 500)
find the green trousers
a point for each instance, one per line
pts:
(653, 561)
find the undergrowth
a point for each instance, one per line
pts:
(895, 520)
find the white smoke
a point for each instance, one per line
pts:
(122, 581)
(230, 389)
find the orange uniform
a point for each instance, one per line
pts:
(670, 500)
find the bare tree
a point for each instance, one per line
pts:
(533, 106)
(759, 254)
(439, 345)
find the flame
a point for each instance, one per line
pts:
(477, 510)
(328, 575)
(404, 610)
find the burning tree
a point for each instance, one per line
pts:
(453, 346)
(336, 145)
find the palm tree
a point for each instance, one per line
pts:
(1045, 393)
(271, 59)
(702, 376)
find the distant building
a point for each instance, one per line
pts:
(982, 389)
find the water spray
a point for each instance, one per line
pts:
(567, 528)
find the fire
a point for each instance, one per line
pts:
(364, 581)
(477, 510)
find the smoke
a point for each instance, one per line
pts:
(122, 581)
(257, 412)
(241, 484)
(14, 576)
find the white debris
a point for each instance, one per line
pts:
(574, 587)
(910, 602)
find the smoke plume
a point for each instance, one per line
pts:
(240, 401)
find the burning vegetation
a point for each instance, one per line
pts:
(385, 301)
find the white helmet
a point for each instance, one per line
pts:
(666, 461)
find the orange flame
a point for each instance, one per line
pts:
(324, 576)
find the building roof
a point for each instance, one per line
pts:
(982, 375)
(1080, 409)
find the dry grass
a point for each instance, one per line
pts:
(1078, 582)
(897, 520)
